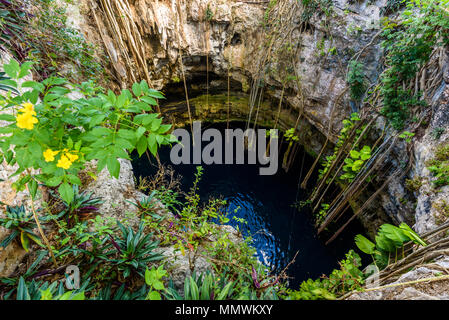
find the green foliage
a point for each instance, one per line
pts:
(58, 134)
(356, 80)
(439, 165)
(389, 240)
(437, 132)
(407, 136)
(83, 204)
(38, 290)
(355, 162)
(322, 213)
(364, 244)
(348, 278)
(153, 278)
(348, 125)
(290, 135)
(311, 7)
(12, 35)
(3, 83)
(135, 250)
(209, 14)
(21, 223)
(54, 42)
(408, 45)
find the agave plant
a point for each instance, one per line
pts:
(21, 223)
(135, 250)
(147, 204)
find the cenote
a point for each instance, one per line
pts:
(277, 223)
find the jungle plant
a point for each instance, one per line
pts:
(21, 223)
(89, 238)
(202, 287)
(121, 293)
(437, 132)
(388, 241)
(407, 136)
(439, 165)
(4, 83)
(135, 250)
(355, 162)
(58, 134)
(38, 290)
(153, 279)
(82, 206)
(12, 35)
(356, 80)
(322, 213)
(348, 278)
(147, 204)
(408, 45)
(348, 124)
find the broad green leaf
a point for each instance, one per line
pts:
(66, 192)
(364, 244)
(12, 68)
(113, 166)
(412, 235)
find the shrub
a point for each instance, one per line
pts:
(57, 134)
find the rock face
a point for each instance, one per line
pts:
(302, 57)
(231, 35)
(431, 200)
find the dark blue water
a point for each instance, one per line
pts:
(278, 227)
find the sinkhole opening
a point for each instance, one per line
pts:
(270, 204)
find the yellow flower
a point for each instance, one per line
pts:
(49, 155)
(72, 157)
(28, 108)
(26, 121)
(64, 163)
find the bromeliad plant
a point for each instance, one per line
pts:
(135, 250)
(82, 206)
(21, 223)
(51, 130)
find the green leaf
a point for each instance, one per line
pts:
(224, 293)
(53, 181)
(354, 154)
(194, 292)
(7, 117)
(12, 68)
(137, 90)
(113, 166)
(393, 233)
(364, 244)
(142, 145)
(24, 241)
(32, 185)
(154, 295)
(66, 192)
(412, 235)
(385, 244)
(22, 290)
(152, 144)
(25, 69)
